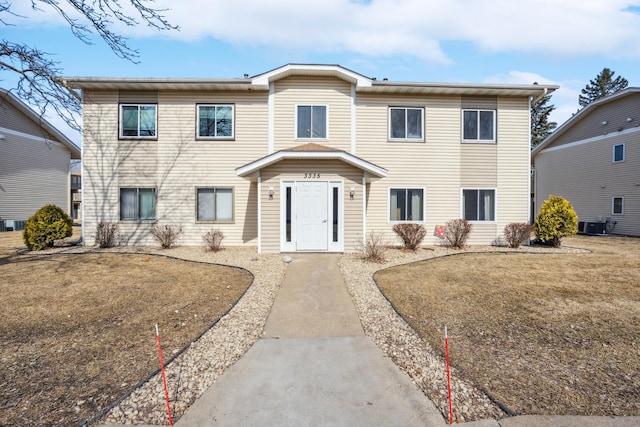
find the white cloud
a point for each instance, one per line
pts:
(415, 28)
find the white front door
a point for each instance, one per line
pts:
(312, 231)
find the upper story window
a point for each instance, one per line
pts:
(137, 204)
(479, 205)
(311, 121)
(406, 124)
(406, 204)
(618, 153)
(478, 125)
(138, 121)
(215, 121)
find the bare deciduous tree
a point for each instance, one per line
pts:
(39, 77)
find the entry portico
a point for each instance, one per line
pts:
(311, 198)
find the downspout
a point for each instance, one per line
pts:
(259, 214)
(539, 97)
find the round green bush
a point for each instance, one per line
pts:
(556, 220)
(48, 224)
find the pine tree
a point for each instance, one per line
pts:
(541, 127)
(604, 84)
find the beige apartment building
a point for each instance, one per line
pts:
(303, 157)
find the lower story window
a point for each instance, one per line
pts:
(137, 204)
(215, 204)
(406, 204)
(617, 205)
(479, 205)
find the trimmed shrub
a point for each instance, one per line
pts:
(516, 233)
(411, 234)
(372, 248)
(556, 220)
(166, 235)
(106, 234)
(457, 233)
(213, 239)
(48, 224)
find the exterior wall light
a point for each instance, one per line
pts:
(352, 193)
(270, 193)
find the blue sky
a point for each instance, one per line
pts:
(563, 42)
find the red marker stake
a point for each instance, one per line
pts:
(446, 351)
(164, 378)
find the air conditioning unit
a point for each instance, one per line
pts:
(595, 228)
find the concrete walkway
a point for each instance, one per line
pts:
(314, 366)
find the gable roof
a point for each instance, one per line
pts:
(582, 114)
(262, 81)
(6, 95)
(311, 151)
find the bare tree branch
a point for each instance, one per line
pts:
(40, 82)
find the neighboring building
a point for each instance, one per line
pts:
(593, 160)
(303, 157)
(34, 163)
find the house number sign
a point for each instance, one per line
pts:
(311, 175)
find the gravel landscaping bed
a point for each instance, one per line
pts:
(194, 370)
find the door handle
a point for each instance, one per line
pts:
(324, 221)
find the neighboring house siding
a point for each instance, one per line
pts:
(12, 118)
(614, 113)
(332, 92)
(33, 173)
(585, 175)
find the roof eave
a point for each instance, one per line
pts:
(41, 121)
(578, 116)
(250, 169)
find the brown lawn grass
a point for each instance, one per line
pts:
(78, 331)
(542, 333)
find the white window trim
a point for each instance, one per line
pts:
(613, 204)
(422, 127)
(295, 127)
(479, 141)
(613, 153)
(495, 204)
(233, 205)
(424, 204)
(121, 121)
(217, 138)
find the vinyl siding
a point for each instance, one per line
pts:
(16, 120)
(290, 170)
(433, 165)
(512, 195)
(176, 163)
(33, 172)
(615, 113)
(99, 161)
(332, 92)
(586, 176)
